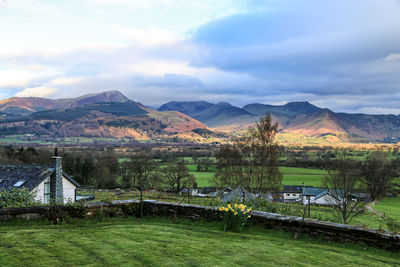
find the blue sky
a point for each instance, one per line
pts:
(344, 55)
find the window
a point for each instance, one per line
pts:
(47, 191)
(19, 183)
(288, 195)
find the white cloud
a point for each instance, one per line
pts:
(41, 91)
(393, 57)
(150, 37)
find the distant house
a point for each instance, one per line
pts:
(222, 192)
(293, 193)
(238, 194)
(208, 190)
(44, 182)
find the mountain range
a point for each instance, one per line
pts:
(112, 115)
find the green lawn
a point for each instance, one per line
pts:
(163, 242)
(390, 206)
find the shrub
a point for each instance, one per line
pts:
(235, 217)
(392, 224)
(17, 198)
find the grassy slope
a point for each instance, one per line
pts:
(161, 242)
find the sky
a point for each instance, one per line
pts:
(342, 54)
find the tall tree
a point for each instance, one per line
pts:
(377, 174)
(176, 175)
(229, 169)
(251, 161)
(138, 172)
(341, 182)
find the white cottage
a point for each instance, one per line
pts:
(44, 182)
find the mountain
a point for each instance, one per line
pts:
(211, 114)
(291, 109)
(297, 120)
(105, 115)
(21, 106)
(112, 115)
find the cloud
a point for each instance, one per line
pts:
(40, 91)
(338, 54)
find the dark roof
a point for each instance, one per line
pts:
(313, 191)
(294, 188)
(207, 190)
(238, 194)
(32, 175)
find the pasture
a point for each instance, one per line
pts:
(291, 176)
(164, 242)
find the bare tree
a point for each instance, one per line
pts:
(377, 174)
(138, 172)
(177, 176)
(251, 161)
(229, 169)
(341, 181)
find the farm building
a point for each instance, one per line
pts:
(293, 193)
(44, 182)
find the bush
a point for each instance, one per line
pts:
(17, 198)
(235, 218)
(392, 224)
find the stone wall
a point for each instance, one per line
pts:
(326, 230)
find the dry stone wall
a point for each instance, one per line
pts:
(326, 230)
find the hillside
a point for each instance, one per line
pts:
(126, 119)
(111, 114)
(21, 106)
(213, 115)
(297, 120)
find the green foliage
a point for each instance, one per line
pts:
(17, 198)
(392, 224)
(235, 217)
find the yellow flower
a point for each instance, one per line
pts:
(229, 205)
(226, 209)
(248, 216)
(236, 213)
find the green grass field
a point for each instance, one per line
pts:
(163, 242)
(390, 206)
(291, 176)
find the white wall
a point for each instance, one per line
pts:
(39, 192)
(291, 196)
(68, 191)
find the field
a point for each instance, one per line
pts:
(291, 176)
(390, 206)
(163, 242)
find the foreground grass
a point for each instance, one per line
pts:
(163, 242)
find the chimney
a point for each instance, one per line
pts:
(56, 184)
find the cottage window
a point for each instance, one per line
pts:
(288, 195)
(47, 191)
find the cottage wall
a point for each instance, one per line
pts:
(68, 191)
(39, 192)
